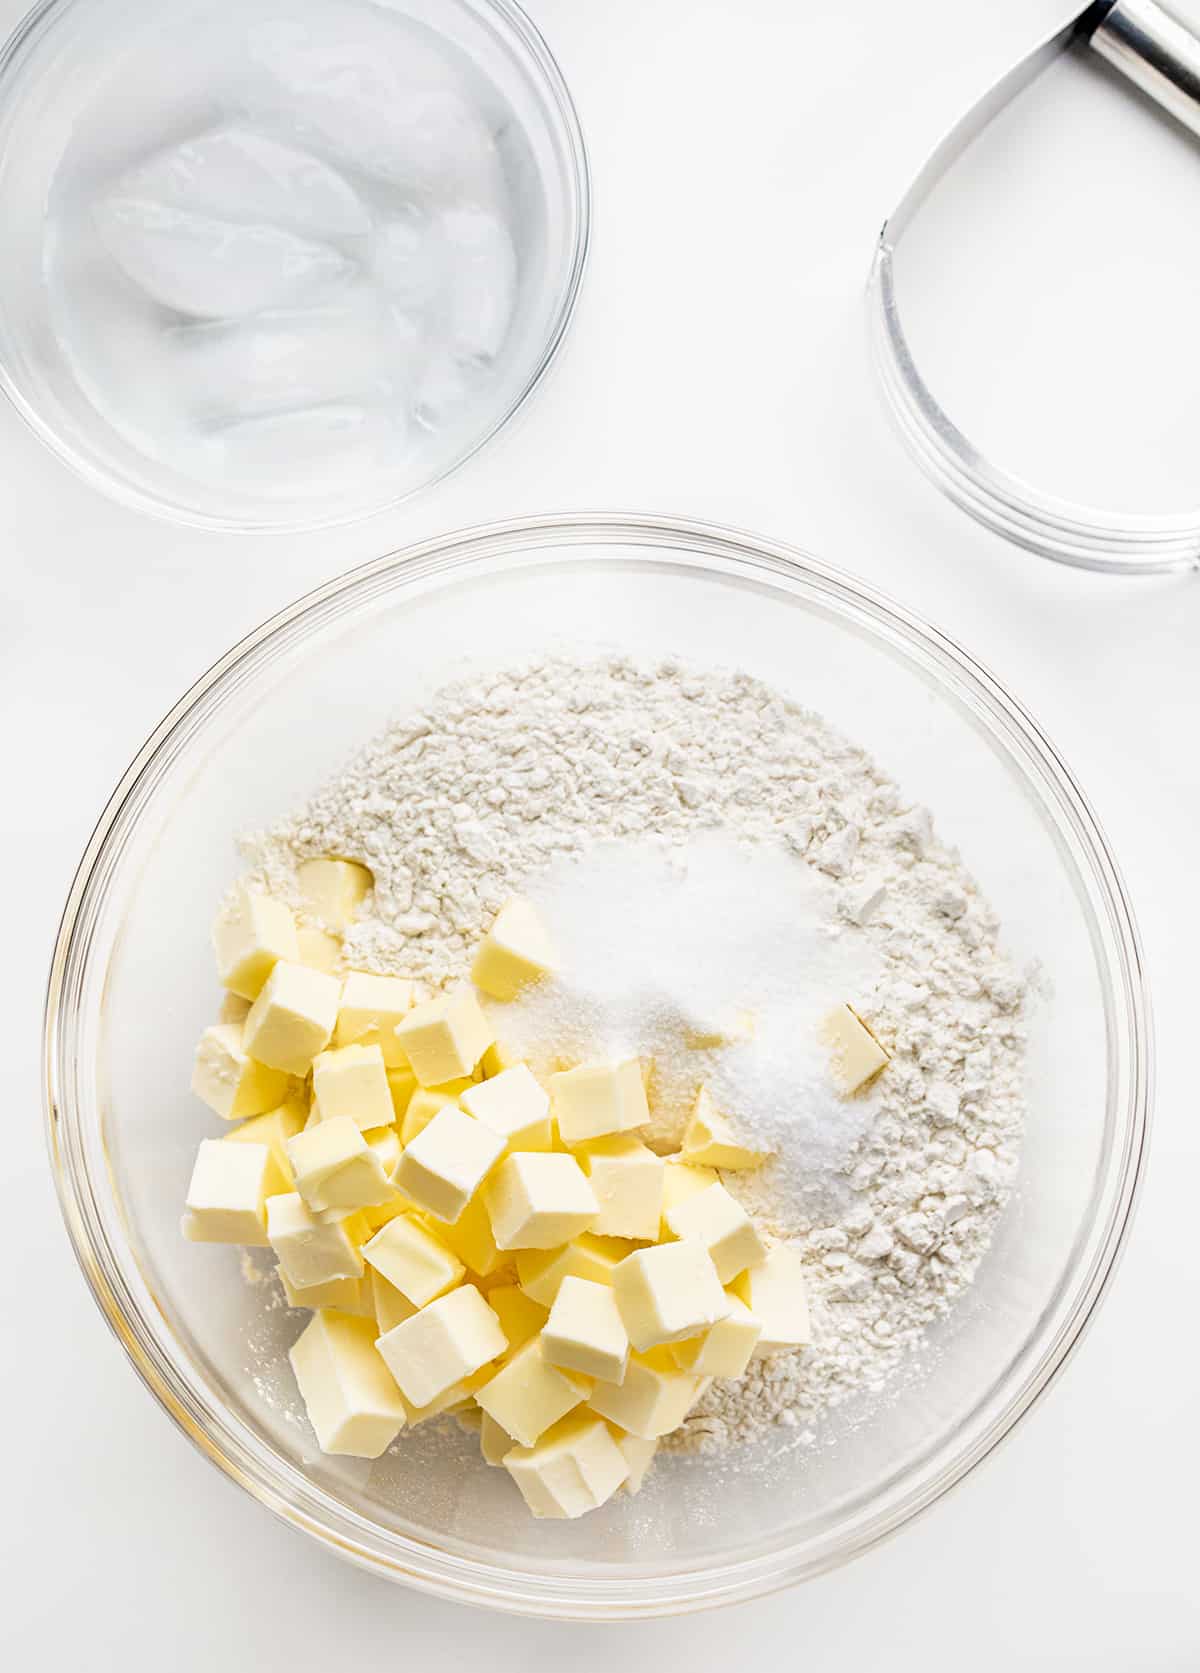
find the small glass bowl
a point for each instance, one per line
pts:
(132, 985)
(49, 70)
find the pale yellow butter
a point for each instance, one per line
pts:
(442, 1344)
(233, 1008)
(352, 1081)
(725, 1349)
(521, 1318)
(310, 1251)
(514, 1106)
(351, 1399)
(424, 1103)
(718, 1221)
(774, 1292)
(443, 1167)
(627, 1178)
(599, 1098)
(318, 949)
(344, 1294)
(654, 1397)
(528, 1393)
(409, 1255)
(496, 1059)
(638, 1453)
(334, 889)
(470, 1236)
(250, 938)
(402, 1084)
(541, 1271)
(274, 1129)
(585, 1331)
(710, 1140)
(372, 1007)
(575, 1467)
(444, 1038)
(292, 1018)
(390, 1307)
(335, 1168)
(538, 1200)
(494, 1443)
(227, 1196)
(855, 1054)
(229, 1080)
(668, 1293)
(515, 952)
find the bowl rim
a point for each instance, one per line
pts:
(620, 1594)
(529, 45)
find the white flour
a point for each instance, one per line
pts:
(495, 785)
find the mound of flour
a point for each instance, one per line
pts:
(499, 784)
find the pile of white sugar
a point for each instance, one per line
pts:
(704, 849)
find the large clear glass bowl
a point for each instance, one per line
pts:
(132, 984)
(52, 72)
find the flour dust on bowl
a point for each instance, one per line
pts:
(282, 265)
(685, 648)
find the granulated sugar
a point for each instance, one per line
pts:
(506, 783)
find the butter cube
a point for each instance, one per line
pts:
(335, 1168)
(372, 1007)
(233, 1008)
(334, 889)
(725, 1349)
(227, 1196)
(470, 1237)
(718, 1221)
(855, 1054)
(352, 1081)
(496, 1059)
(250, 938)
(344, 1294)
(459, 1397)
(402, 1084)
(444, 1166)
(292, 1018)
(229, 1080)
(521, 1318)
(310, 1251)
(599, 1098)
(638, 1453)
(538, 1200)
(444, 1038)
(711, 1141)
(385, 1142)
(317, 949)
(541, 1271)
(774, 1293)
(494, 1442)
(682, 1180)
(515, 952)
(668, 1293)
(514, 1106)
(653, 1399)
(414, 1260)
(575, 1467)
(424, 1104)
(442, 1344)
(584, 1331)
(273, 1129)
(352, 1402)
(627, 1178)
(528, 1393)
(389, 1306)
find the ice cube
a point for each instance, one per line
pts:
(306, 453)
(410, 260)
(215, 269)
(481, 266)
(232, 173)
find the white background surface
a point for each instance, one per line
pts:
(744, 153)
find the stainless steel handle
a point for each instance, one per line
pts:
(1154, 49)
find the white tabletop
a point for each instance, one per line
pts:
(736, 144)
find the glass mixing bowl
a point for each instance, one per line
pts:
(133, 983)
(72, 85)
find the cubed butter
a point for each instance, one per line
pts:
(343, 1294)
(334, 889)
(414, 1260)
(335, 1168)
(229, 1080)
(233, 1008)
(226, 1199)
(250, 937)
(425, 1102)
(668, 1293)
(541, 1271)
(528, 1393)
(402, 1083)
(371, 1010)
(710, 1141)
(318, 949)
(599, 1098)
(390, 1307)
(352, 1081)
(514, 953)
(310, 1251)
(639, 1455)
(682, 1180)
(444, 1038)
(774, 1293)
(575, 1467)
(497, 1058)
(352, 1401)
(494, 1443)
(385, 1142)
(725, 1349)
(514, 1106)
(292, 1018)
(274, 1129)
(654, 1397)
(460, 1396)
(855, 1054)
(585, 1332)
(443, 1167)
(538, 1200)
(442, 1344)
(521, 1318)
(718, 1221)
(470, 1236)
(627, 1178)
